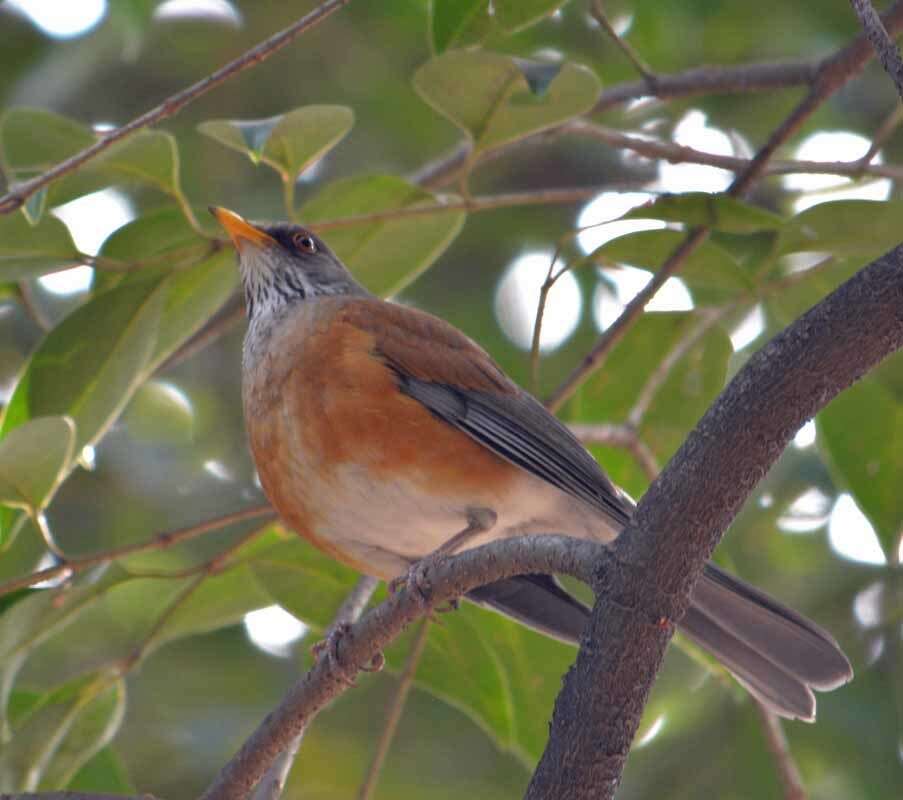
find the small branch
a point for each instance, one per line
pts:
(393, 714)
(650, 571)
(737, 79)
(620, 436)
(535, 197)
(159, 542)
(788, 772)
(172, 105)
(884, 46)
(884, 132)
(598, 13)
(273, 782)
(681, 154)
(438, 581)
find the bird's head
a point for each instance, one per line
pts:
(283, 264)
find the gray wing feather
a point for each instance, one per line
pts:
(517, 428)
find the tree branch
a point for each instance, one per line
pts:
(273, 782)
(884, 46)
(161, 541)
(646, 578)
(17, 196)
(437, 581)
(681, 154)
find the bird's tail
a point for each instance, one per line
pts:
(777, 654)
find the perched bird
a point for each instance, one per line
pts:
(382, 434)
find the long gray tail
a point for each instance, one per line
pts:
(777, 654)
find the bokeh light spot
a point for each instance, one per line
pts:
(834, 146)
(64, 19)
(517, 298)
(273, 630)
(852, 535)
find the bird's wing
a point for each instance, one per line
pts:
(458, 382)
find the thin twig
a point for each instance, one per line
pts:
(200, 573)
(172, 105)
(535, 197)
(884, 132)
(393, 713)
(788, 771)
(885, 48)
(598, 14)
(32, 308)
(272, 784)
(161, 541)
(622, 436)
(681, 154)
(657, 378)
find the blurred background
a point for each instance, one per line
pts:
(822, 532)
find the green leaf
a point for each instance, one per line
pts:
(104, 772)
(33, 140)
(458, 23)
(515, 15)
(34, 620)
(27, 250)
(488, 96)
(385, 255)
(192, 296)
(34, 459)
(710, 272)
(89, 365)
(716, 211)
(844, 228)
(70, 726)
(163, 235)
(290, 142)
(861, 431)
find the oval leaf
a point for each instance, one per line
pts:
(88, 366)
(861, 431)
(844, 228)
(290, 142)
(716, 211)
(33, 140)
(458, 23)
(34, 459)
(711, 273)
(28, 250)
(488, 96)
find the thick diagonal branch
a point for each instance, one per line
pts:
(648, 576)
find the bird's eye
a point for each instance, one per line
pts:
(305, 243)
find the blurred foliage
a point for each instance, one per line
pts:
(117, 424)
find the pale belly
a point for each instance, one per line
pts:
(382, 527)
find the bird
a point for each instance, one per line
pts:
(383, 434)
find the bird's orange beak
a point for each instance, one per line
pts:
(239, 229)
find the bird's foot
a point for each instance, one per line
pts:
(329, 649)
